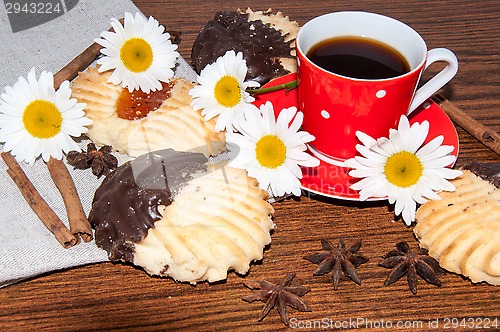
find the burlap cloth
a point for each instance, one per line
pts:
(27, 248)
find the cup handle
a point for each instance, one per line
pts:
(438, 81)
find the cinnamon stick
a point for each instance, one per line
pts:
(37, 203)
(82, 61)
(487, 136)
(78, 222)
(79, 225)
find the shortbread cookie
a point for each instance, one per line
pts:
(462, 230)
(176, 215)
(138, 123)
(267, 41)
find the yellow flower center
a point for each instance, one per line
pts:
(42, 119)
(136, 54)
(403, 169)
(227, 91)
(270, 151)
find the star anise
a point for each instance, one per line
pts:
(101, 161)
(281, 294)
(412, 263)
(338, 259)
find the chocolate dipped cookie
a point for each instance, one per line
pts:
(266, 40)
(176, 215)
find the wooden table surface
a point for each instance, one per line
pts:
(111, 296)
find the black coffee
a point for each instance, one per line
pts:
(358, 57)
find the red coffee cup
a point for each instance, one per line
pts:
(335, 106)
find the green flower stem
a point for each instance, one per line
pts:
(288, 86)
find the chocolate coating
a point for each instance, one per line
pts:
(126, 204)
(489, 172)
(261, 45)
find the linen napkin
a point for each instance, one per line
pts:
(27, 248)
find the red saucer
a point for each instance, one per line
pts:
(334, 181)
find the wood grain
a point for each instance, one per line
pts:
(484, 134)
(111, 296)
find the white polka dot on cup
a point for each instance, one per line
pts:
(325, 114)
(381, 93)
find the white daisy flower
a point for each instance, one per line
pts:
(139, 52)
(222, 90)
(271, 150)
(402, 169)
(35, 119)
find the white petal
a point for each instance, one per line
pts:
(417, 136)
(430, 147)
(367, 140)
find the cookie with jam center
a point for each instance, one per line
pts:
(137, 123)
